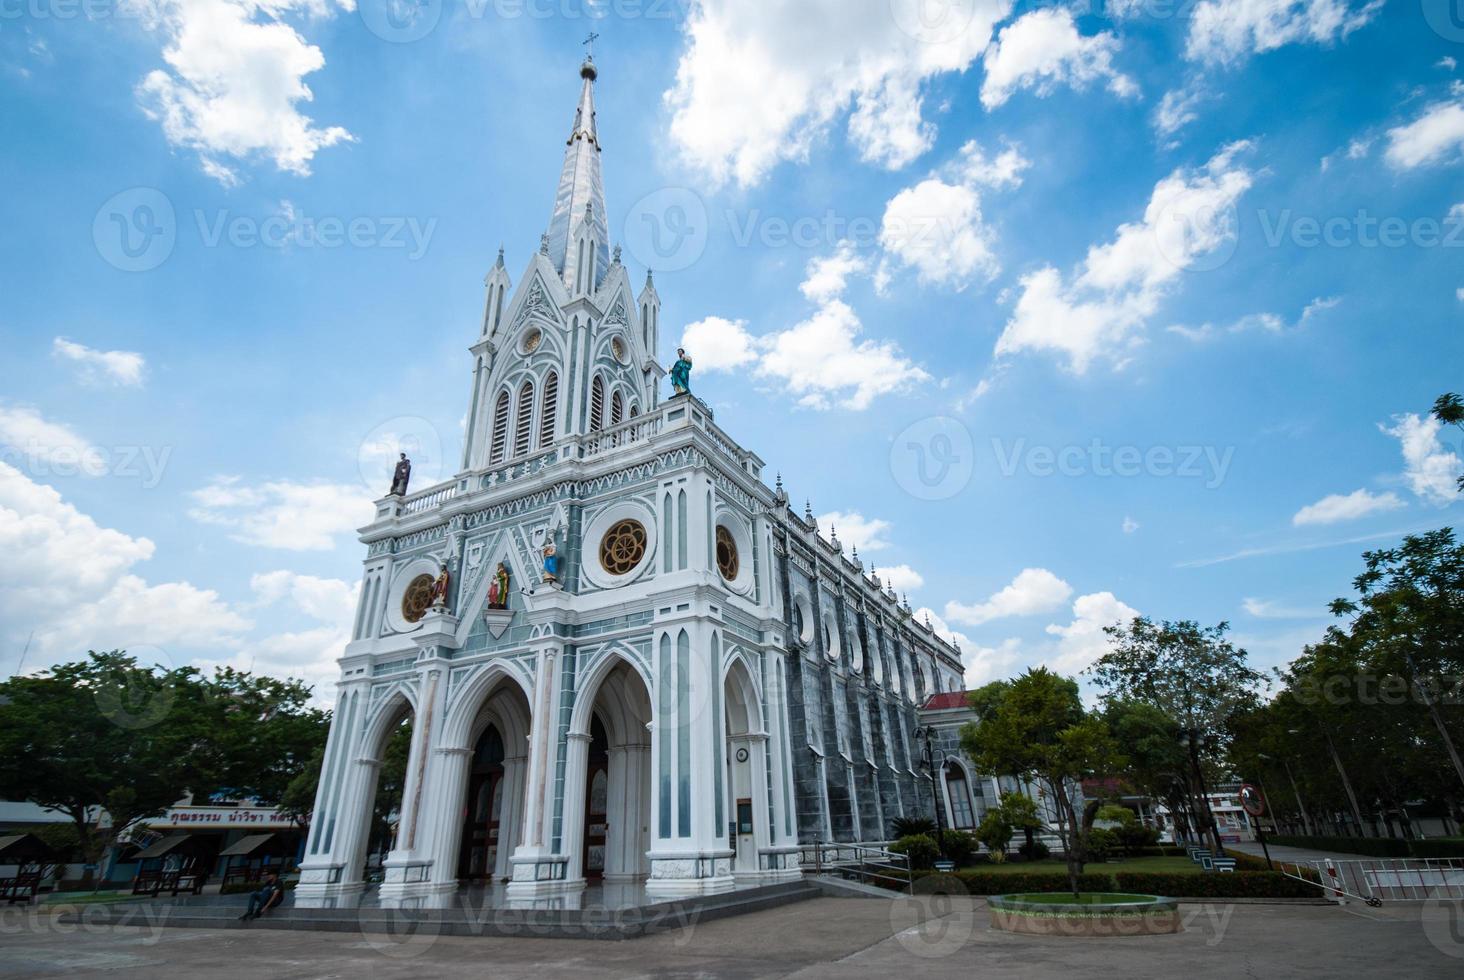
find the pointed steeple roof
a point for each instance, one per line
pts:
(581, 195)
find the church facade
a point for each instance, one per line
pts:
(623, 655)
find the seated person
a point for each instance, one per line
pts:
(267, 897)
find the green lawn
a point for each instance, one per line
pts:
(1164, 865)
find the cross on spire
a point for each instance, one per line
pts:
(589, 43)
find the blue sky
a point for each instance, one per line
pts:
(1184, 277)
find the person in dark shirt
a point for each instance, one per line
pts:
(266, 898)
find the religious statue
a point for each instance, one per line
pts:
(551, 562)
(681, 372)
(498, 588)
(401, 476)
(439, 590)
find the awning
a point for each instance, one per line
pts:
(24, 849)
(163, 847)
(245, 846)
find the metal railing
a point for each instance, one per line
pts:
(860, 862)
(1378, 880)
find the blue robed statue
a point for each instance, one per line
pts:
(681, 372)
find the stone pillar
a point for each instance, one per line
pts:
(537, 870)
(572, 829)
(450, 783)
(510, 815)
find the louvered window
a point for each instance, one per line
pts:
(500, 428)
(597, 404)
(523, 425)
(617, 409)
(551, 405)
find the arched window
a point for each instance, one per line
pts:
(597, 404)
(634, 409)
(962, 816)
(524, 423)
(551, 406)
(500, 428)
(617, 409)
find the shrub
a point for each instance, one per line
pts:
(1373, 846)
(1134, 836)
(1037, 851)
(913, 826)
(1102, 843)
(1240, 884)
(995, 832)
(919, 848)
(959, 846)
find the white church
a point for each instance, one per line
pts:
(624, 658)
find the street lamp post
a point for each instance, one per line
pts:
(926, 735)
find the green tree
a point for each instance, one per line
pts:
(1039, 727)
(996, 833)
(1020, 811)
(1449, 409)
(1193, 674)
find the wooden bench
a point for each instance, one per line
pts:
(20, 888)
(154, 883)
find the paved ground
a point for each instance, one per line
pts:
(834, 938)
(1280, 853)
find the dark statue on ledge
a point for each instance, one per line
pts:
(401, 476)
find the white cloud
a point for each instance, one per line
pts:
(1446, 63)
(719, 344)
(1346, 507)
(310, 654)
(72, 582)
(234, 83)
(1098, 311)
(759, 83)
(1130, 525)
(1177, 109)
(1229, 31)
(1436, 136)
(942, 629)
(1034, 590)
(1272, 323)
(1431, 470)
(119, 367)
(864, 533)
(1269, 609)
(901, 578)
(1459, 294)
(1083, 641)
(827, 276)
(1043, 50)
(41, 446)
(822, 359)
(986, 664)
(937, 229)
(281, 514)
(1004, 170)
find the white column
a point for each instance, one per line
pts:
(510, 814)
(450, 787)
(576, 773)
(537, 870)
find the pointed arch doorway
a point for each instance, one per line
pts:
(482, 837)
(609, 776)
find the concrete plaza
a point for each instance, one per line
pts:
(826, 937)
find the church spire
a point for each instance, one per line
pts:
(581, 195)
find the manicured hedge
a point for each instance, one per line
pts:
(1391, 847)
(1239, 884)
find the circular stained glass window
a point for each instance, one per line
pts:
(623, 547)
(532, 340)
(727, 562)
(417, 598)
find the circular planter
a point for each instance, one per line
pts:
(1092, 914)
